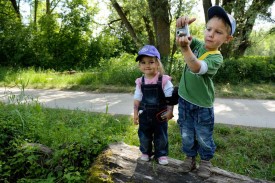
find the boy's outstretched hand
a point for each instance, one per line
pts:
(184, 41)
(184, 21)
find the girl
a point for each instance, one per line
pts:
(150, 107)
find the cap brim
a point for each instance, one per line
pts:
(139, 56)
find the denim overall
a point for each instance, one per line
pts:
(152, 132)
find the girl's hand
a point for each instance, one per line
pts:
(169, 115)
(136, 119)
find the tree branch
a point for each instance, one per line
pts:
(126, 22)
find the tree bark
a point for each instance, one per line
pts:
(35, 12)
(150, 32)
(159, 10)
(48, 7)
(206, 5)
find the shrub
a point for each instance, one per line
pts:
(73, 137)
(252, 69)
(119, 71)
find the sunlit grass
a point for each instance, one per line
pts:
(108, 81)
(246, 90)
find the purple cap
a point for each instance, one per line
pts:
(148, 50)
(219, 11)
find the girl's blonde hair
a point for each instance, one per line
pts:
(160, 68)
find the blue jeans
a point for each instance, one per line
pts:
(152, 133)
(196, 128)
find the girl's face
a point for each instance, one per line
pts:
(149, 66)
(216, 33)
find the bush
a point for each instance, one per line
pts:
(252, 69)
(120, 71)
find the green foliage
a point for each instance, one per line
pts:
(74, 137)
(261, 44)
(247, 77)
(252, 69)
(122, 70)
(14, 44)
(176, 68)
(103, 46)
(60, 41)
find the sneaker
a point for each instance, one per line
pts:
(145, 157)
(189, 164)
(163, 160)
(204, 169)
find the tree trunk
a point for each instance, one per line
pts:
(174, 46)
(160, 16)
(150, 32)
(35, 12)
(48, 7)
(126, 22)
(16, 8)
(206, 5)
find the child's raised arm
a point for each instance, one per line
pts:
(184, 44)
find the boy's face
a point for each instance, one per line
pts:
(216, 33)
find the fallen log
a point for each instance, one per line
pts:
(120, 163)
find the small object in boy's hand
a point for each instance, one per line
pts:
(183, 31)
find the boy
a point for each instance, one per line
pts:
(196, 89)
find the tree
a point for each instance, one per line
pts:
(151, 19)
(159, 35)
(245, 13)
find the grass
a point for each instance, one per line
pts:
(246, 90)
(78, 137)
(102, 82)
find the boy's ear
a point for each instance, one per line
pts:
(229, 38)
